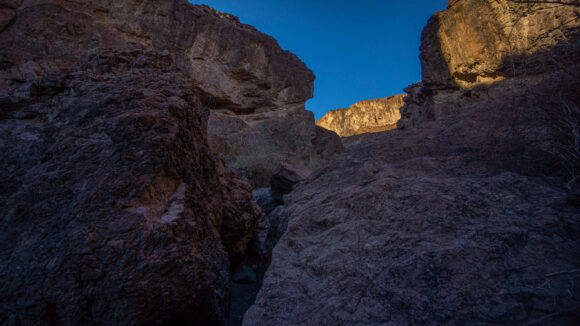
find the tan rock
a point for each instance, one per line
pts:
(363, 117)
(476, 49)
(474, 41)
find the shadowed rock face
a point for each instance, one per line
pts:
(255, 149)
(433, 225)
(363, 117)
(475, 44)
(468, 218)
(113, 209)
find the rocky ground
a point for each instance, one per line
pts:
(466, 215)
(411, 227)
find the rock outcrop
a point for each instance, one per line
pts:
(255, 149)
(408, 227)
(441, 224)
(468, 218)
(478, 48)
(114, 209)
(365, 116)
(235, 67)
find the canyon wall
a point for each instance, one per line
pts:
(476, 49)
(363, 117)
(114, 207)
(239, 69)
(468, 213)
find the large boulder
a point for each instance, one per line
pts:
(363, 117)
(113, 209)
(286, 176)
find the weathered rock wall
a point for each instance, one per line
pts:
(363, 117)
(464, 220)
(475, 44)
(237, 68)
(458, 221)
(113, 208)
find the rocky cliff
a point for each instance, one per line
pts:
(113, 207)
(235, 67)
(363, 117)
(469, 217)
(476, 49)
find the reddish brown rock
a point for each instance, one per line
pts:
(237, 68)
(286, 176)
(113, 209)
(364, 117)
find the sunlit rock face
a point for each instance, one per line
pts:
(475, 43)
(363, 117)
(113, 209)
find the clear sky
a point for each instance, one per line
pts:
(358, 50)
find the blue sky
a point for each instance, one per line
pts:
(358, 50)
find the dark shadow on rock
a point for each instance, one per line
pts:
(434, 68)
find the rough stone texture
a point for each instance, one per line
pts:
(113, 210)
(476, 44)
(468, 43)
(255, 149)
(237, 68)
(435, 225)
(471, 219)
(286, 176)
(363, 117)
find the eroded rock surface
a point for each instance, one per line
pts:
(113, 209)
(363, 117)
(235, 67)
(441, 224)
(480, 45)
(470, 217)
(255, 149)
